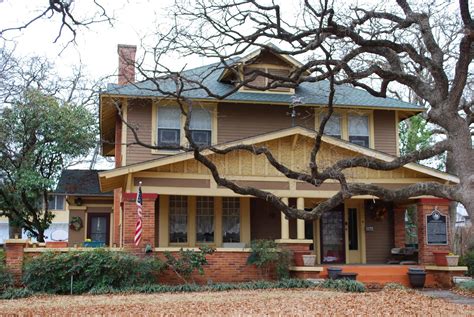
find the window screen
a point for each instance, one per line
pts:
(169, 125)
(333, 126)
(359, 130)
(200, 126)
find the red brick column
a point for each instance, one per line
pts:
(399, 226)
(130, 220)
(425, 207)
(14, 253)
(297, 250)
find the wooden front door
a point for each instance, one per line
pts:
(98, 227)
(332, 236)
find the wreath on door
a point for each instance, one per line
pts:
(76, 223)
(378, 210)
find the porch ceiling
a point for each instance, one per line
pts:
(291, 146)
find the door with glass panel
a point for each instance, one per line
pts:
(98, 228)
(332, 236)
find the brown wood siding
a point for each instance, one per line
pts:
(379, 242)
(139, 115)
(385, 138)
(264, 220)
(238, 121)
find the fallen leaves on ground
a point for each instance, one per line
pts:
(258, 302)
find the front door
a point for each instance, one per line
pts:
(332, 236)
(98, 228)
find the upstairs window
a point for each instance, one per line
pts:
(201, 126)
(262, 81)
(359, 130)
(56, 202)
(333, 126)
(169, 126)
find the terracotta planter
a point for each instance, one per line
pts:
(57, 244)
(452, 260)
(309, 259)
(440, 258)
(298, 257)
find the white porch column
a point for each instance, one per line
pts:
(285, 224)
(300, 234)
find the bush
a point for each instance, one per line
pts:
(265, 254)
(187, 262)
(6, 279)
(343, 285)
(397, 286)
(51, 272)
(467, 286)
(13, 293)
(468, 260)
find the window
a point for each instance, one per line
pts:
(200, 126)
(205, 219)
(55, 202)
(359, 130)
(353, 232)
(333, 125)
(178, 219)
(231, 219)
(169, 125)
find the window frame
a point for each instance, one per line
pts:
(239, 214)
(211, 213)
(344, 113)
(212, 107)
(50, 207)
(187, 213)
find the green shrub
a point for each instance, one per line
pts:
(394, 286)
(218, 287)
(13, 293)
(51, 272)
(343, 285)
(188, 261)
(468, 260)
(266, 254)
(6, 279)
(467, 286)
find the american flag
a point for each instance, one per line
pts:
(139, 226)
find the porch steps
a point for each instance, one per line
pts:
(381, 274)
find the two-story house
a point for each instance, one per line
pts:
(184, 207)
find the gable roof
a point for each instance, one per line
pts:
(138, 167)
(312, 93)
(80, 182)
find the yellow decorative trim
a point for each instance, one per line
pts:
(293, 241)
(446, 268)
(163, 233)
(306, 268)
(245, 220)
(218, 234)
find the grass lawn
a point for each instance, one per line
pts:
(258, 302)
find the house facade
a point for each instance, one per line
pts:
(184, 207)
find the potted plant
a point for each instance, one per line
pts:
(417, 277)
(452, 259)
(309, 259)
(440, 258)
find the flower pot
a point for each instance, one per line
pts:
(440, 258)
(452, 260)
(417, 277)
(56, 244)
(298, 257)
(309, 259)
(333, 272)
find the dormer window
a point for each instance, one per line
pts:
(169, 126)
(201, 126)
(262, 81)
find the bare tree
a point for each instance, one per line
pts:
(369, 48)
(68, 19)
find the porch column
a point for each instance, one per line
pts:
(300, 234)
(130, 220)
(285, 223)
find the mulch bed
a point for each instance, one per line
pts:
(258, 302)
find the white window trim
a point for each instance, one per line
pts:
(212, 107)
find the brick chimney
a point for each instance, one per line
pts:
(126, 69)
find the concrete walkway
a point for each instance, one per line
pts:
(449, 296)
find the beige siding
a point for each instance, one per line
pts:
(139, 116)
(237, 121)
(379, 242)
(385, 138)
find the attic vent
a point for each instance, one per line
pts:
(262, 81)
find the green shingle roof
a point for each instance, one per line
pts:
(311, 93)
